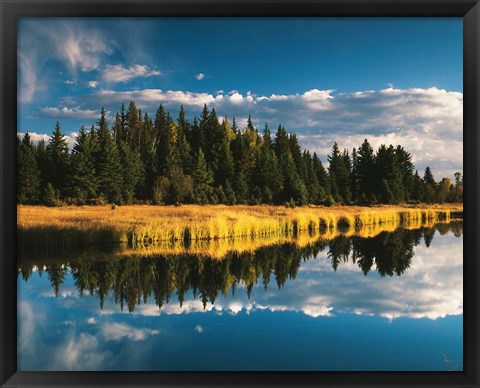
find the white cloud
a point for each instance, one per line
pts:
(29, 321)
(91, 321)
(76, 44)
(29, 82)
(200, 76)
(92, 84)
(81, 48)
(119, 331)
(199, 329)
(79, 353)
(36, 137)
(428, 123)
(74, 112)
(119, 73)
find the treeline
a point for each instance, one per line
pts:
(137, 159)
(132, 279)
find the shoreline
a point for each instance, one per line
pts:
(144, 225)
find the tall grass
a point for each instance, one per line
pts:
(184, 226)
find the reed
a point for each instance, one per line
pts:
(141, 225)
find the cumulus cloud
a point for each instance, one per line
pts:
(200, 76)
(119, 331)
(69, 113)
(428, 123)
(92, 84)
(70, 82)
(36, 137)
(119, 73)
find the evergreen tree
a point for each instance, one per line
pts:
(28, 173)
(430, 186)
(266, 176)
(83, 182)
(42, 163)
(322, 176)
(108, 164)
(365, 173)
(339, 172)
(316, 193)
(58, 160)
(202, 181)
(388, 172)
(148, 159)
(132, 172)
(167, 155)
(184, 149)
(405, 165)
(418, 188)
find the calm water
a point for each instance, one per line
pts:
(389, 303)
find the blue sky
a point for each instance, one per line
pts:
(393, 81)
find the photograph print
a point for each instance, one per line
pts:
(240, 194)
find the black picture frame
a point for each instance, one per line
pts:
(11, 10)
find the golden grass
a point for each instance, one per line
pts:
(192, 225)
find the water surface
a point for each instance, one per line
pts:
(393, 302)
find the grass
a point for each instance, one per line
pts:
(192, 226)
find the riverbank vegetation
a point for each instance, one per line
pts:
(141, 225)
(135, 159)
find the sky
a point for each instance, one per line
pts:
(390, 80)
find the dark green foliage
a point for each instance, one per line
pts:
(339, 171)
(203, 192)
(57, 160)
(207, 162)
(28, 177)
(83, 183)
(133, 172)
(108, 165)
(365, 173)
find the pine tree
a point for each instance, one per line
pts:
(316, 194)
(148, 159)
(406, 168)
(83, 182)
(202, 181)
(28, 173)
(132, 172)
(167, 152)
(322, 176)
(339, 173)
(58, 160)
(266, 175)
(418, 188)
(430, 186)
(389, 173)
(108, 165)
(365, 173)
(184, 148)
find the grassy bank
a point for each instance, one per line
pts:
(146, 225)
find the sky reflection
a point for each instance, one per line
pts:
(320, 320)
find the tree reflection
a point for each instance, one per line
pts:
(134, 279)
